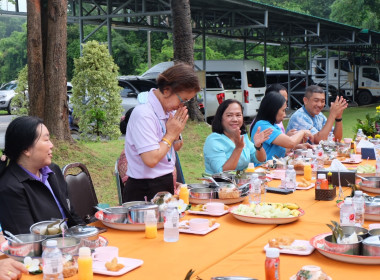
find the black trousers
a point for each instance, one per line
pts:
(137, 189)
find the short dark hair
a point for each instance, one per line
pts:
(269, 107)
(179, 77)
(124, 121)
(21, 134)
(313, 89)
(275, 87)
(217, 121)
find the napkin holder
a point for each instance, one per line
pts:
(323, 194)
(346, 177)
(368, 153)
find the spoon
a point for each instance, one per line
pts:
(361, 177)
(18, 240)
(10, 239)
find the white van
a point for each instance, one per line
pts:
(243, 80)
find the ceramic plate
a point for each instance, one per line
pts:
(120, 226)
(300, 188)
(277, 174)
(225, 201)
(207, 213)
(298, 247)
(129, 264)
(318, 242)
(268, 221)
(369, 189)
(4, 248)
(351, 161)
(184, 228)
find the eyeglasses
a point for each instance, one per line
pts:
(181, 100)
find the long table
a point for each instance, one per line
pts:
(236, 247)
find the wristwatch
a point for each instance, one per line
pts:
(338, 120)
(258, 148)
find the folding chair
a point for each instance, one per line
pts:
(81, 191)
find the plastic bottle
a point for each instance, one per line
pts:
(359, 135)
(320, 160)
(255, 189)
(85, 264)
(272, 264)
(150, 224)
(184, 194)
(307, 171)
(290, 178)
(358, 202)
(171, 224)
(314, 166)
(330, 138)
(347, 213)
(52, 261)
(318, 182)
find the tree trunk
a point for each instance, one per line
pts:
(36, 83)
(47, 35)
(183, 44)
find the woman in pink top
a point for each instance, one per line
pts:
(153, 133)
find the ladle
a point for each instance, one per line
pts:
(361, 177)
(15, 238)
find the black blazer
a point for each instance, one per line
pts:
(25, 201)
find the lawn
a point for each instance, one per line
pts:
(100, 157)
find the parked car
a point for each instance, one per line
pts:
(132, 86)
(7, 92)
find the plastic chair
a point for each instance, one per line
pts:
(118, 182)
(81, 191)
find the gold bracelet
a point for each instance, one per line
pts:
(167, 142)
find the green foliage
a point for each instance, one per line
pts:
(20, 102)
(96, 94)
(368, 125)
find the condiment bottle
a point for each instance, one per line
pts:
(184, 194)
(329, 180)
(324, 182)
(150, 224)
(85, 264)
(318, 182)
(272, 264)
(307, 172)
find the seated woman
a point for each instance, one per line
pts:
(229, 147)
(153, 133)
(32, 188)
(271, 112)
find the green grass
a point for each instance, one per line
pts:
(100, 157)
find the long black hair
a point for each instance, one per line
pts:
(20, 135)
(217, 122)
(269, 107)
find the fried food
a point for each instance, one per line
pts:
(228, 193)
(211, 222)
(113, 265)
(280, 241)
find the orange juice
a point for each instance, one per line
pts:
(307, 172)
(184, 194)
(85, 268)
(151, 231)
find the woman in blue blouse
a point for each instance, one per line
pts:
(271, 112)
(229, 147)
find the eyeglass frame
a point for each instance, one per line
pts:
(180, 99)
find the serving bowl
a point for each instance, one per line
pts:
(371, 246)
(374, 232)
(31, 246)
(203, 193)
(132, 203)
(67, 245)
(371, 182)
(115, 214)
(136, 213)
(88, 235)
(347, 249)
(41, 226)
(360, 231)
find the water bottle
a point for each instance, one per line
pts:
(358, 202)
(347, 213)
(330, 139)
(290, 178)
(52, 261)
(320, 160)
(359, 135)
(314, 166)
(171, 224)
(255, 189)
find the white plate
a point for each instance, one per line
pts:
(278, 174)
(350, 161)
(305, 243)
(4, 248)
(268, 221)
(120, 226)
(129, 264)
(369, 189)
(207, 213)
(225, 201)
(318, 242)
(300, 188)
(187, 230)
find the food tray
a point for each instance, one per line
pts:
(127, 227)
(184, 229)
(267, 221)
(318, 242)
(129, 264)
(225, 200)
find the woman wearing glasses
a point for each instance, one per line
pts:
(153, 133)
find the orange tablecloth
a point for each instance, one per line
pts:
(236, 248)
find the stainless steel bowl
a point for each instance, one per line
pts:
(372, 205)
(37, 227)
(197, 185)
(136, 213)
(31, 245)
(115, 214)
(88, 235)
(374, 232)
(131, 203)
(67, 245)
(371, 182)
(360, 231)
(203, 193)
(347, 249)
(371, 246)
